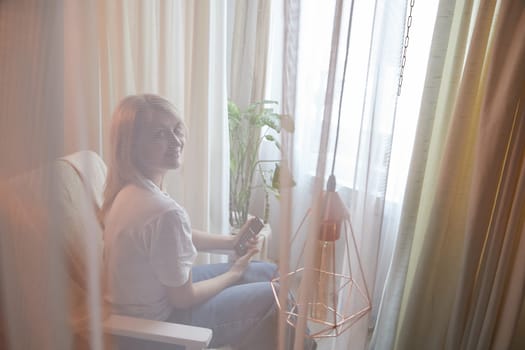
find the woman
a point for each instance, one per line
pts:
(149, 245)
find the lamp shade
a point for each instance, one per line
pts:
(338, 296)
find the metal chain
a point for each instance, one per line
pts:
(405, 46)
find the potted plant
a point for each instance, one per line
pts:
(249, 129)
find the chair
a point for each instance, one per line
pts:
(76, 183)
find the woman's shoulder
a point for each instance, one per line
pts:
(135, 202)
(147, 186)
(135, 191)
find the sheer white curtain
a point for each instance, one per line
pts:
(248, 35)
(173, 48)
(376, 131)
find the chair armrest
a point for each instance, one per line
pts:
(165, 332)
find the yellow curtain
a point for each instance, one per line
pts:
(463, 286)
(492, 280)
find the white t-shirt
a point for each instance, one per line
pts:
(147, 247)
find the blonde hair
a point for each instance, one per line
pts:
(122, 167)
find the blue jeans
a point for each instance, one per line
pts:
(239, 314)
(243, 315)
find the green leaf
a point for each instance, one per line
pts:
(276, 176)
(269, 122)
(245, 138)
(233, 109)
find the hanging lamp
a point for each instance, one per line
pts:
(329, 290)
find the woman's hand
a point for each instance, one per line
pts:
(191, 294)
(242, 262)
(250, 227)
(252, 243)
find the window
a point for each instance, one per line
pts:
(314, 54)
(377, 127)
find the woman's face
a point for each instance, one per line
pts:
(159, 144)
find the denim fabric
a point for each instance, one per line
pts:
(243, 315)
(237, 311)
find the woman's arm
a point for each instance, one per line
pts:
(206, 241)
(191, 294)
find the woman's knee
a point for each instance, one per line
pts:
(261, 271)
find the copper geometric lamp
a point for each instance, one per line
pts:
(327, 284)
(339, 296)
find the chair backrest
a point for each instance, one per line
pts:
(79, 194)
(80, 188)
(92, 171)
(64, 194)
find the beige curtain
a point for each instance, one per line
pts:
(64, 66)
(456, 269)
(31, 90)
(31, 128)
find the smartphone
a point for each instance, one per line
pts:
(248, 231)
